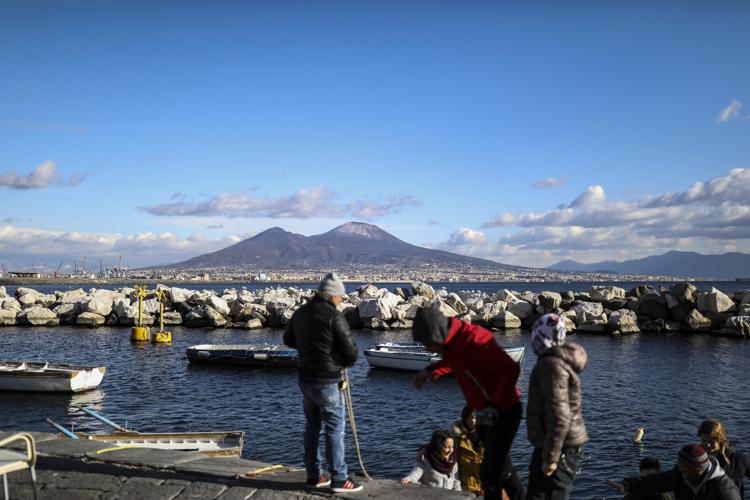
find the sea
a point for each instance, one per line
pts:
(665, 383)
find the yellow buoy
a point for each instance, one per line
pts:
(161, 337)
(638, 436)
(140, 333)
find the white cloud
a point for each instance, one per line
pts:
(731, 112)
(44, 175)
(703, 217)
(304, 204)
(548, 183)
(138, 249)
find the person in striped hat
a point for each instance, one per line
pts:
(697, 476)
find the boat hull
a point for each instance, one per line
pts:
(213, 444)
(391, 357)
(31, 376)
(251, 355)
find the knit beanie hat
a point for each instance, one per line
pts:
(430, 326)
(548, 330)
(332, 285)
(693, 456)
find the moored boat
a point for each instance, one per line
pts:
(260, 355)
(39, 376)
(411, 356)
(213, 444)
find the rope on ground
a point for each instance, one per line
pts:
(118, 448)
(350, 411)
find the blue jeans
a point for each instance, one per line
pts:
(324, 407)
(558, 485)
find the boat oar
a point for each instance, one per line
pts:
(106, 420)
(62, 429)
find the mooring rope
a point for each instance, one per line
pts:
(350, 411)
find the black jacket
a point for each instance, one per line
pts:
(716, 485)
(321, 335)
(738, 468)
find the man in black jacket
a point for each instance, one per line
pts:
(697, 476)
(321, 335)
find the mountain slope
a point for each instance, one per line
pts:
(675, 263)
(349, 244)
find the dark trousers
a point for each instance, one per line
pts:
(497, 472)
(558, 485)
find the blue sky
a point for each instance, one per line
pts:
(525, 133)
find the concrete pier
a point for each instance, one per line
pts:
(69, 469)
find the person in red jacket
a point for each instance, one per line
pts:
(487, 377)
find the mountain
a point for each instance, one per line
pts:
(675, 263)
(353, 243)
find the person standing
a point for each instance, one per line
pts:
(321, 335)
(713, 436)
(487, 377)
(553, 418)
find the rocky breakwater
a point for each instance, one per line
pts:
(601, 310)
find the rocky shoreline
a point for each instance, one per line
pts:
(602, 310)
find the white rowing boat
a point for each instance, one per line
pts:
(38, 376)
(412, 356)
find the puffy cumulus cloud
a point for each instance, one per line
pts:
(731, 112)
(702, 218)
(139, 249)
(548, 183)
(44, 175)
(464, 236)
(303, 204)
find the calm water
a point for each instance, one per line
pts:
(666, 384)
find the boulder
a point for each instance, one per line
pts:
(641, 290)
(3, 293)
(352, 317)
(72, 296)
(738, 326)
(685, 293)
(586, 311)
(441, 306)
(253, 324)
(405, 311)
(503, 295)
(7, 317)
(506, 320)
(696, 322)
(742, 297)
(195, 318)
(654, 306)
(218, 304)
(679, 312)
(123, 309)
(623, 321)
(488, 311)
(10, 304)
(456, 303)
(714, 301)
(38, 316)
(90, 319)
(374, 324)
(214, 317)
(605, 293)
(548, 302)
(67, 311)
(277, 301)
(379, 307)
(98, 305)
(404, 324)
(653, 326)
(402, 292)
(593, 324)
(172, 318)
(520, 308)
(423, 289)
(615, 304)
(367, 291)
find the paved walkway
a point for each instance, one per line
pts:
(68, 469)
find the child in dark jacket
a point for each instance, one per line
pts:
(646, 467)
(697, 476)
